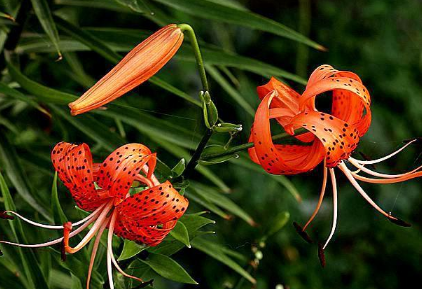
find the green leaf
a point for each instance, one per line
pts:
(200, 199)
(245, 162)
(33, 275)
(99, 4)
(93, 128)
(277, 224)
(180, 233)
(233, 93)
(135, 5)
(213, 196)
(179, 168)
(194, 222)
(11, 164)
(211, 10)
(214, 149)
(215, 251)
(4, 89)
(44, 16)
(44, 93)
(58, 214)
(168, 268)
(123, 40)
(130, 249)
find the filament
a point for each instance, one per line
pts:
(109, 249)
(386, 157)
(333, 228)
(91, 232)
(321, 197)
(56, 241)
(381, 175)
(94, 251)
(352, 180)
(55, 227)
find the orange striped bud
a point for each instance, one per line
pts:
(136, 67)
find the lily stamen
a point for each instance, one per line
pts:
(54, 227)
(68, 228)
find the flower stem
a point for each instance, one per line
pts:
(198, 56)
(197, 154)
(246, 146)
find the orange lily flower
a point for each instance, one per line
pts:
(140, 64)
(331, 138)
(103, 190)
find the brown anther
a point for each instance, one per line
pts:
(144, 284)
(302, 233)
(321, 255)
(399, 222)
(416, 141)
(367, 158)
(5, 216)
(63, 251)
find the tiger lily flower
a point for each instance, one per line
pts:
(140, 64)
(103, 190)
(331, 138)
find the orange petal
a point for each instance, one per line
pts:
(280, 159)
(136, 67)
(154, 206)
(117, 173)
(351, 99)
(337, 136)
(73, 164)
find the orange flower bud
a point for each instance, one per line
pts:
(136, 67)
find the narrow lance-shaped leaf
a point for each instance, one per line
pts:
(215, 11)
(44, 16)
(33, 274)
(180, 233)
(168, 268)
(10, 161)
(214, 250)
(58, 214)
(221, 200)
(130, 249)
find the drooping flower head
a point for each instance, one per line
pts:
(103, 189)
(140, 64)
(331, 137)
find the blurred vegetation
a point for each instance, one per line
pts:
(380, 40)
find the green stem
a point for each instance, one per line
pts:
(198, 56)
(246, 146)
(197, 154)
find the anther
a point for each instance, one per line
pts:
(321, 255)
(367, 158)
(302, 233)
(145, 284)
(63, 251)
(398, 221)
(5, 216)
(415, 141)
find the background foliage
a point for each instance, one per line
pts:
(379, 40)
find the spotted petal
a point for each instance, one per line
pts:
(73, 164)
(117, 173)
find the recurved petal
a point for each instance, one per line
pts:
(154, 206)
(73, 164)
(136, 67)
(149, 235)
(117, 173)
(280, 159)
(338, 137)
